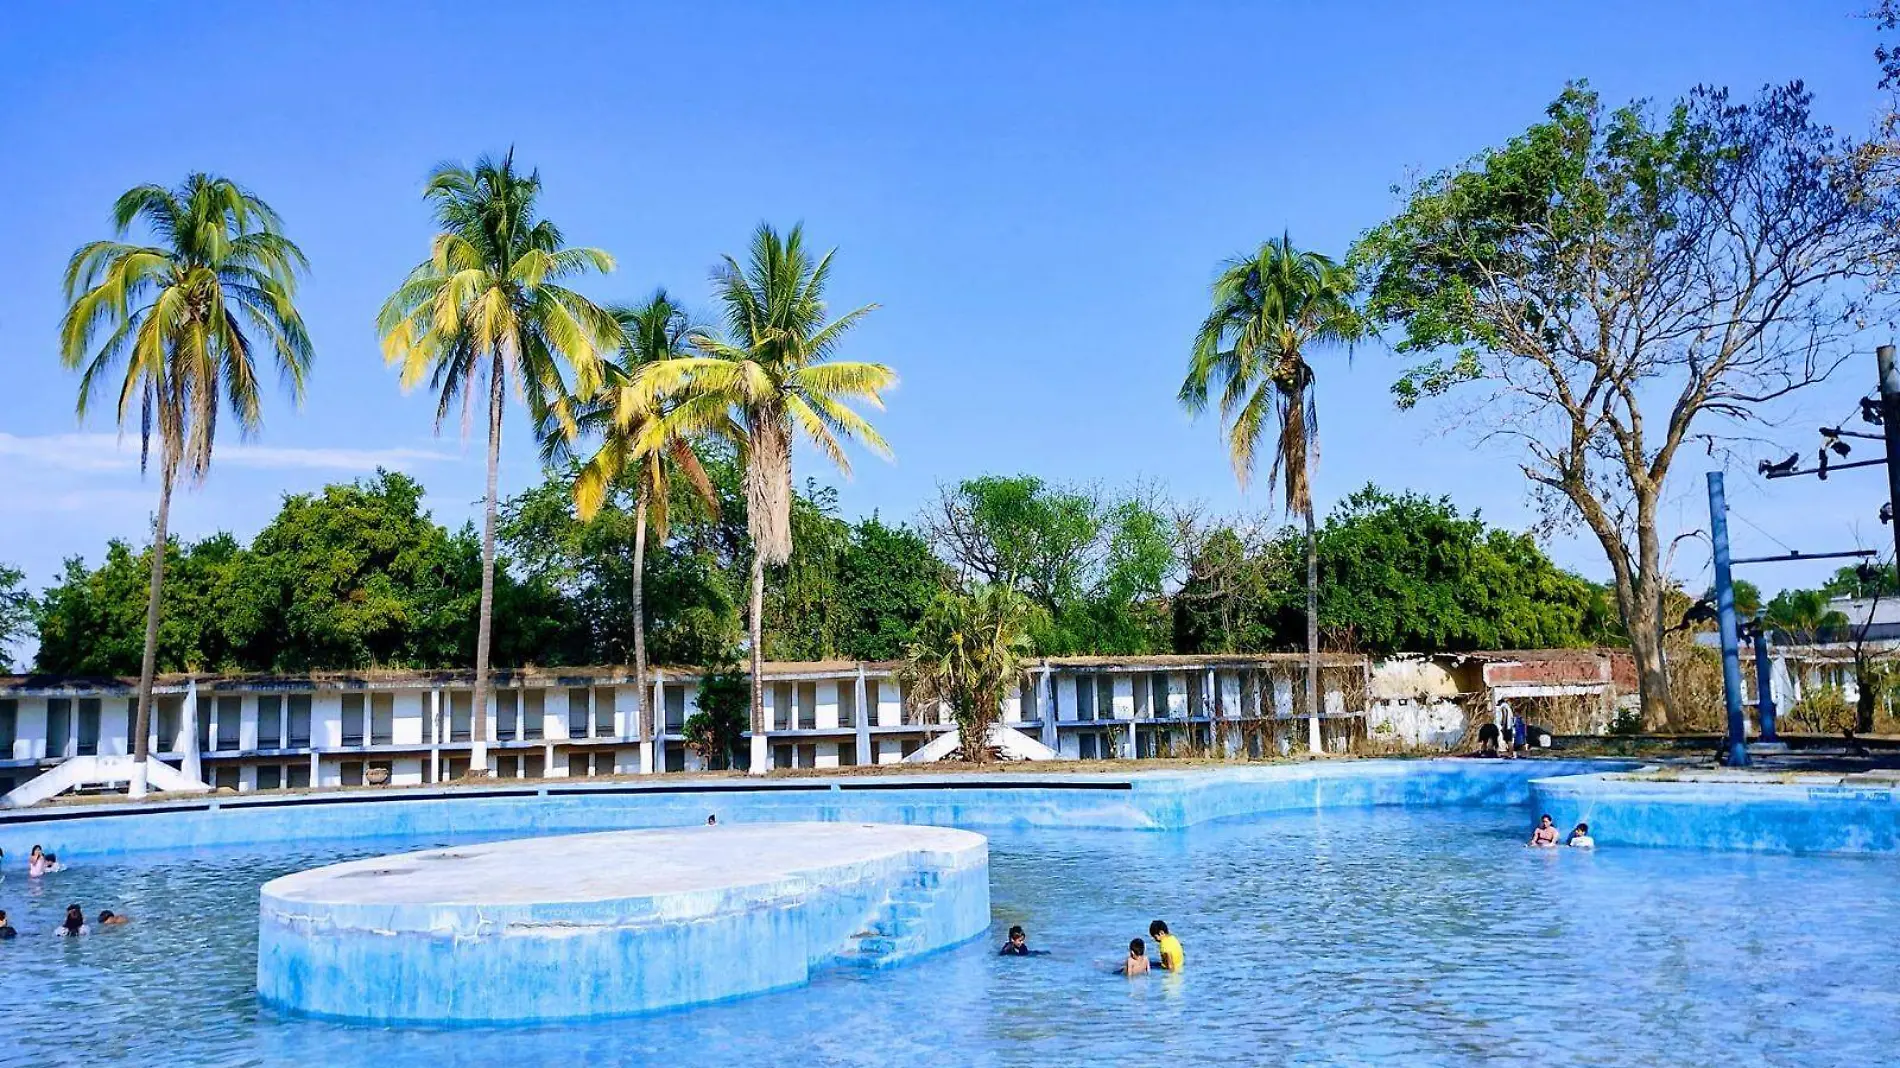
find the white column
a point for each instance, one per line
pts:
(192, 764)
(653, 751)
(435, 736)
(1046, 706)
(863, 723)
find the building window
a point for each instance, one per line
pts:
(534, 715)
(297, 776)
(228, 778)
(352, 773)
(270, 725)
(1085, 698)
(9, 726)
(604, 712)
(847, 754)
(353, 724)
(382, 719)
(909, 746)
(230, 718)
(871, 690)
(782, 756)
(461, 702)
(1158, 687)
(454, 768)
(577, 712)
(87, 744)
(675, 708)
(1104, 697)
(269, 776)
(534, 766)
(299, 723)
(59, 726)
(807, 707)
(507, 715)
(847, 703)
(1087, 747)
(675, 758)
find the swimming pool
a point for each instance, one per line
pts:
(1414, 936)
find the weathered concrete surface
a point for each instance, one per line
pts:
(613, 923)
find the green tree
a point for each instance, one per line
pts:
(773, 380)
(488, 298)
(1805, 613)
(620, 415)
(1614, 285)
(1269, 309)
(92, 622)
(1094, 565)
(717, 730)
(179, 321)
(356, 576)
(17, 613)
(969, 654)
(887, 580)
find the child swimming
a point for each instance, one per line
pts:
(1580, 837)
(1137, 962)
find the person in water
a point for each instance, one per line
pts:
(1545, 836)
(1018, 944)
(37, 862)
(1137, 962)
(712, 820)
(1168, 946)
(1580, 837)
(74, 925)
(109, 918)
(6, 927)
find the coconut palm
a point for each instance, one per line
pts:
(615, 417)
(772, 380)
(1269, 308)
(487, 300)
(177, 323)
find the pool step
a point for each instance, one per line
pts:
(896, 930)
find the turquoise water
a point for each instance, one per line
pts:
(1340, 937)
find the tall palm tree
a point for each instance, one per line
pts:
(487, 300)
(616, 416)
(178, 321)
(773, 380)
(1268, 309)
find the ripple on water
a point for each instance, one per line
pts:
(1428, 937)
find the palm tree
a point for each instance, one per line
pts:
(487, 299)
(772, 381)
(1268, 308)
(617, 415)
(969, 654)
(180, 319)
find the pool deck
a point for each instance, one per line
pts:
(615, 923)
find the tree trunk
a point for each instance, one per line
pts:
(642, 709)
(760, 752)
(478, 750)
(1652, 670)
(148, 663)
(1314, 705)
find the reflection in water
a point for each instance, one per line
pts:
(1428, 937)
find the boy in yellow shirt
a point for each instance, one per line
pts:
(1168, 946)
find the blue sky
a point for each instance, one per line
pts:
(1037, 194)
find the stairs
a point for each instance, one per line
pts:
(896, 931)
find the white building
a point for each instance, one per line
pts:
(260, 732)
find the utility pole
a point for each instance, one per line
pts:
(1890, 429)
(1725, 622)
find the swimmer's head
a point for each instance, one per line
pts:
(1544, 820)
(1016, 933)
(1582, 828)
(1157, 929)
(1137, 948)
(105, 916)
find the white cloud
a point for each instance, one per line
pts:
(108, 452)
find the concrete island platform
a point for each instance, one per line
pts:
(614, 923)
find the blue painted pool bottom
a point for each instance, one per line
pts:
(1388, 935)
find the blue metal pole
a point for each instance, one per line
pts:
(1725, 620)
(1764, 683)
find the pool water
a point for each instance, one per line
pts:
(1340, 937)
